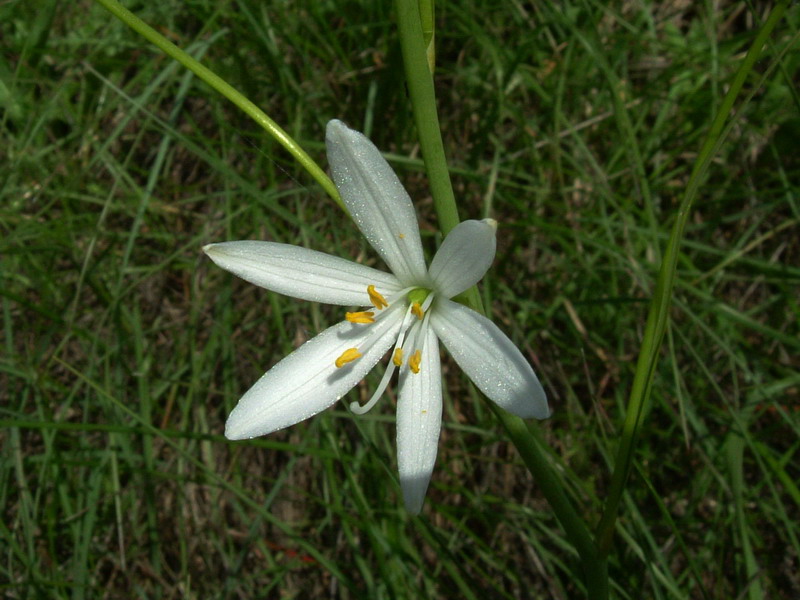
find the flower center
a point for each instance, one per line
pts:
(416, 298)
(410, 339)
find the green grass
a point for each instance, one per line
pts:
(123, 349)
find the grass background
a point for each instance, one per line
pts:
(123, 349)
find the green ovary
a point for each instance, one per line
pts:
(418, 295)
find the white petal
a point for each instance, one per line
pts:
(490, 359)
(377, 201)
(307, 381)
(419, 420)
(301, 273)
(464, 256)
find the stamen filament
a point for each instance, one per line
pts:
(428, 301)
(378, 301)
(401, 338)
(418, 333)
(364, 316)
(347, 356)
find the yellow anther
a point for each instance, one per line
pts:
(424, 412)
(365, 316)
(347, 356)
(414, 361)
(397, 358)
(402, 236)
(417, 310)
(377, 300)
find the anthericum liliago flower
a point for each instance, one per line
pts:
(407, 311)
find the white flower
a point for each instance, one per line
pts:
(408, 310)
